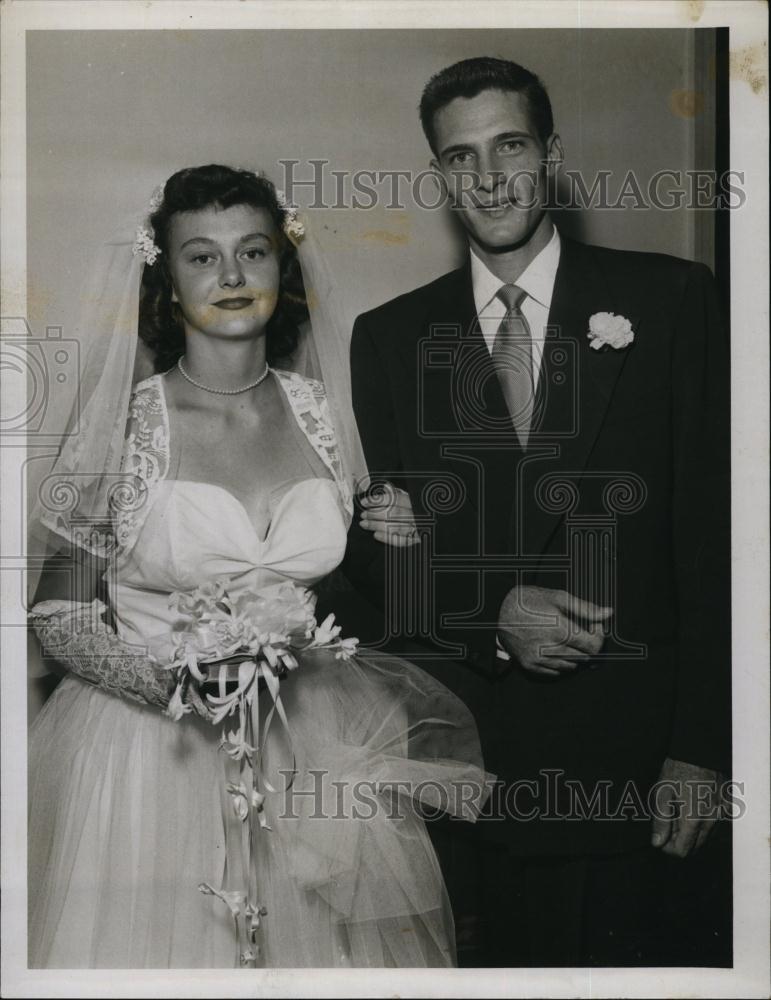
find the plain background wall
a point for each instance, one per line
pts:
(113, 113)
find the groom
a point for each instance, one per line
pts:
(554, 419)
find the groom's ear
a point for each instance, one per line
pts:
(555, 155)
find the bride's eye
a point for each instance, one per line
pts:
(201, 258)
(254, 253)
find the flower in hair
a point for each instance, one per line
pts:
(292, 226)
(156, 199)
(144, 245)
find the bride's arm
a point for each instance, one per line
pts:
(67, 619)
(64, 577)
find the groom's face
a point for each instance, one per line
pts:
(494, 165)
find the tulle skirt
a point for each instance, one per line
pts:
(128, 815)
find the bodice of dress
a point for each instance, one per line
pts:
(186, 533)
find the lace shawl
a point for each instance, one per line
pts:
(146, 453)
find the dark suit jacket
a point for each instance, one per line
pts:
(622, 497)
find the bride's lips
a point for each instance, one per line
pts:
(237, 303)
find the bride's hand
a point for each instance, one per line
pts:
(388, 514)
(192, 696)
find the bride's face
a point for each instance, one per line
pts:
(224, 266)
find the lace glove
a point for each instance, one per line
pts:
(75, 636)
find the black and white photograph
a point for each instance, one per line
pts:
(384, 447)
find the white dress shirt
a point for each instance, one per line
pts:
(537, 281)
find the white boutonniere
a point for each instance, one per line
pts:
(608, 330)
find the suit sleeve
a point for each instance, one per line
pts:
(365, 558)
(701, 527)
(369, 565)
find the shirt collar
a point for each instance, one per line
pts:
(537, 280)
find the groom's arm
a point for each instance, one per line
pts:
(701, 527)
(369, 561)
(373, 408)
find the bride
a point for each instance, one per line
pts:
(144, 850)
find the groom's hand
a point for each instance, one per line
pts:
(387, 513)
(549, 632)
(688, 804)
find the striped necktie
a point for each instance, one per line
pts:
(512, 356)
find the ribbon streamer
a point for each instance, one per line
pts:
(246, 797)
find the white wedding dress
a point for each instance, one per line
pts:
(128, 811)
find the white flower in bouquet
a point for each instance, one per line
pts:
(243, 799)
(255, 634)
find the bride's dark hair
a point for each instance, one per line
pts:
(193, 189)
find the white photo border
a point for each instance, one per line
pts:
(750, 355)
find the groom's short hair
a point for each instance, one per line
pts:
(470, 77)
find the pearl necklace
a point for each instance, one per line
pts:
(223, 392)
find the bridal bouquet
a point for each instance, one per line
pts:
(225, 651)
(250, 638)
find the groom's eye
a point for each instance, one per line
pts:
(461, 157)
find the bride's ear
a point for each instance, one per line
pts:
(174, 296)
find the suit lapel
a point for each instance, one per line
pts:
(458, 373)
(459, 396)
(577, 384)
